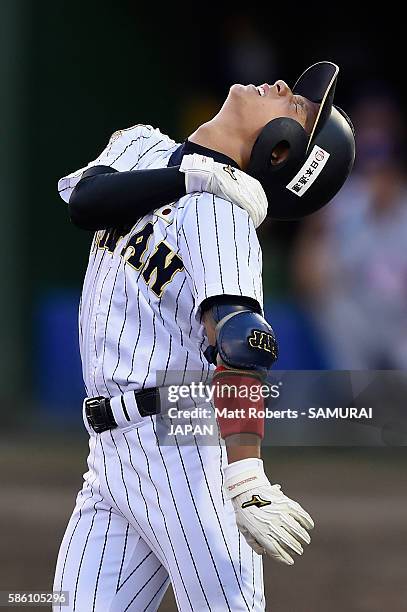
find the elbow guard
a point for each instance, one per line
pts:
(244, 340)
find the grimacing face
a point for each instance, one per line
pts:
(259, 105)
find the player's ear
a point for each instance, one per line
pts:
(280, 153)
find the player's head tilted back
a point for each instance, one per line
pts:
(251, 107)
(294, 141)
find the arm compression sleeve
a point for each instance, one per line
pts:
(106, 198)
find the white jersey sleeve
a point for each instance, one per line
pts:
(124, 151)
(220, 249)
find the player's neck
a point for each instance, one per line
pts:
(219, 135)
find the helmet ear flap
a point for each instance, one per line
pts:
(307, 170)
(278, 131)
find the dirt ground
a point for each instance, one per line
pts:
(358, 497)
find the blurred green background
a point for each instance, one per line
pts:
(72, 73)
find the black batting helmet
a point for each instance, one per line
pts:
(317, 165)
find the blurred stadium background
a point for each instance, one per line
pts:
(335, 285)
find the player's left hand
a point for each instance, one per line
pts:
(271, 522)
(204, 174)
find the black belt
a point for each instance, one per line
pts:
(100, 415)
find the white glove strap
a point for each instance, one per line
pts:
(241, 476)
(198, 171)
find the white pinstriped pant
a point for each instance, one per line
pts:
(149, 514)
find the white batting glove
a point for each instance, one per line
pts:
(271, 522)
(204, 174)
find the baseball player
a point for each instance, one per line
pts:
(173, 292)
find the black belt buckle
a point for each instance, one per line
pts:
(99, 414)
(148, 401)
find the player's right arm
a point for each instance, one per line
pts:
(115, 190)
(222, 255)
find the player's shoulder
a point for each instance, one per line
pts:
(210, 209)
(194, 203)
(205, 201)
(142, 146)
(140, 132)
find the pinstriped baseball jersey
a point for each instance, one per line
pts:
(139, 310)
(149, 513)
